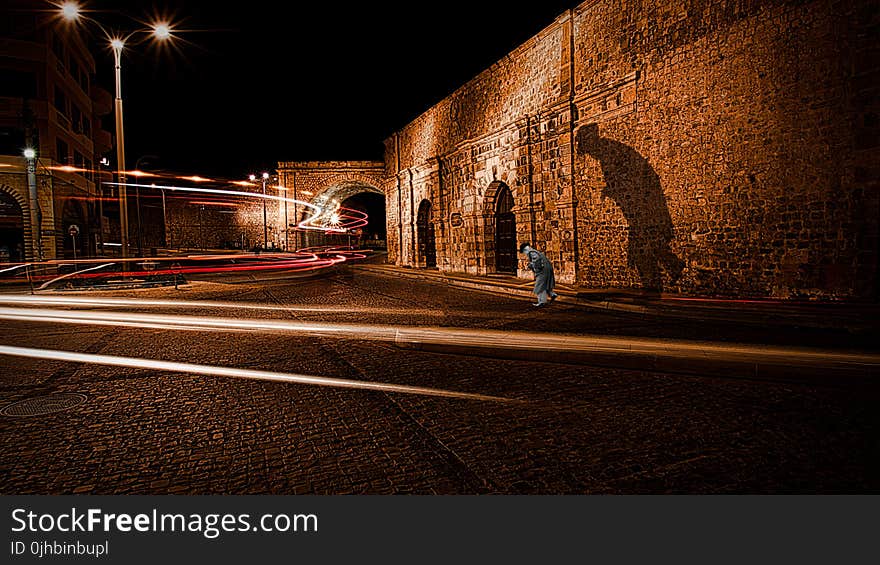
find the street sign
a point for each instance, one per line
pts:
(73, 230)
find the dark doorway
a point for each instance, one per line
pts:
(372, 204)
(426, 245)
(11, 230)
(505, 232)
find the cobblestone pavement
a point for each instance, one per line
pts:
(577, 429)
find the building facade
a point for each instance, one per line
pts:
(49, 102)
(723, 147)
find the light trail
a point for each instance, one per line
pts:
(153, 266)
(213, 370)
(109, 302)
(508, 344)
(317, 213)
(15, 267)
(77, 274)
(350, 219)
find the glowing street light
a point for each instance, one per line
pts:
(160, 31)
(70, 11)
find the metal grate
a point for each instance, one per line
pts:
(43, 404)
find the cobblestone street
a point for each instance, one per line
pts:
(574, 429)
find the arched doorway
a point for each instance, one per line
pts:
(505, 232)
(11, 230)
(425, 236)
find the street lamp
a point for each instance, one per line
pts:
(160, 31)
(30, 154)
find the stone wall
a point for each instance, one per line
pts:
(725, 147)
(222, 222)
(13, 181)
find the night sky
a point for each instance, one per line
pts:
(254, 84)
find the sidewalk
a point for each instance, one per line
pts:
(828, 343)
(848, 318)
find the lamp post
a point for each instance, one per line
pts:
(30, 154)
(161, 31)
(164, 219)
(137, 198)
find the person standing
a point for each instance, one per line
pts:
(543, 269)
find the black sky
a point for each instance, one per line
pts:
(260, 82)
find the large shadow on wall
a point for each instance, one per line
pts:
(634, 186)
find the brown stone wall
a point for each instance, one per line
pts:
(221, 223)
(729, 155)
(13, 181)
(722, 147)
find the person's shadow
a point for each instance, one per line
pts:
(632, 183)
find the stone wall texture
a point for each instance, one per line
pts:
(230, 222)
(707, 147)
(15, 184)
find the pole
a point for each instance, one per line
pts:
(265, 228)
(164, 222)
(100, 187)
(36, 215)
(286, 227)
(73, 239)
(33, 200)
(137, 199)
(120, 155)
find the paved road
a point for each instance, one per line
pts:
(572, 429)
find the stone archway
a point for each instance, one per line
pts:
(328, 198)
(11, 229)
(326, 184)
(427, 245)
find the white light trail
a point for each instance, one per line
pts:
(110, 302)
(73, 274)
(318, 210)
(213, 370)
(509, 343)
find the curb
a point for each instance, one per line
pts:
(694, 312)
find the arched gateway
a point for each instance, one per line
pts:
(351, 184)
